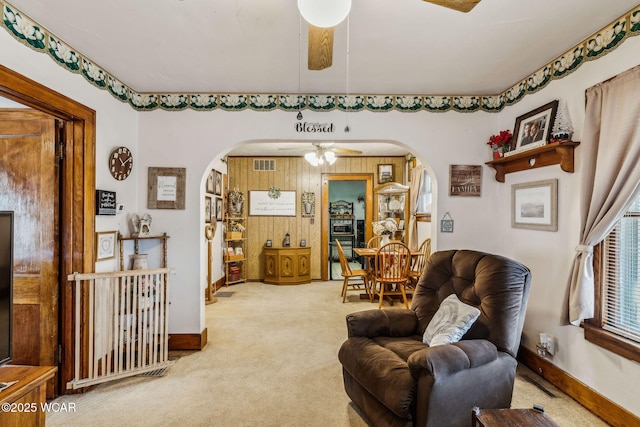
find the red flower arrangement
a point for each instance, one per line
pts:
(500, 140)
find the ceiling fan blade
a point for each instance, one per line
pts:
(345, 151)
(459, 5)
(320, 49)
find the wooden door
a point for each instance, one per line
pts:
(30, 186)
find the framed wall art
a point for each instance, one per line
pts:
(264, 203)
(385, 173)
(210, 180)
(106, 245)
(219, 209)
(208, 206)
(465, 180)
(218, 183)
(534, 128)
(534, 205)
(166, 188)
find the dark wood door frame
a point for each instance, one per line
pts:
(368, 211)
(77, 193)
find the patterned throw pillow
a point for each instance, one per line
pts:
(452, 320)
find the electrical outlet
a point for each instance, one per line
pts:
(551, 345)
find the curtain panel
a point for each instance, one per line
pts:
(611, 150)
(417, 175)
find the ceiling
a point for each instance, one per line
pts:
(259, 46)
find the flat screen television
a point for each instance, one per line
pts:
(6, 284)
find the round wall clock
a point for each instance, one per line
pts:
(120, 163)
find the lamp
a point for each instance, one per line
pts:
(320, 156)
(324, 13)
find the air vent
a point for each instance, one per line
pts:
(268, 165)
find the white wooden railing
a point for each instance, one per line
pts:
(120, 324)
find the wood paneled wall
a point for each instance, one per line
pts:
(294, 174)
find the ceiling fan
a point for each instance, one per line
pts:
(323, 15)
(324, 152)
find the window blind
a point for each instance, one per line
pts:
(621, 287)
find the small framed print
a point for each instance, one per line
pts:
(269, 243)
(218, 183)
(166, 188)
(218, 209)
(208, 206)
(465, 180)
(210, 180)
(534, 205)
(303, 243)
(106, 245)
(385, 173)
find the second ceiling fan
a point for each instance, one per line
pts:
(323, 15)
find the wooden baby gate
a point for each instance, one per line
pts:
(120, 324)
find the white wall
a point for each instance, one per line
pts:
(550, 255)
(116, 125)
(198, 140)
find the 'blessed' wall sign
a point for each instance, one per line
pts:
(304, 127)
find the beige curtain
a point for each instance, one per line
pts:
(611, 151)
(414, 192)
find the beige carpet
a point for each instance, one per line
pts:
(271, 360)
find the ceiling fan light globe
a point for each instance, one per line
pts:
(330, 156)
(324, 13)
(311, 158)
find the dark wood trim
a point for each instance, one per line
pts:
(77, 193)
(612, 342)
(599, 405)
(188, 341)
(593, 330)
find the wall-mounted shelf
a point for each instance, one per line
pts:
(557, 153)
(136, 246)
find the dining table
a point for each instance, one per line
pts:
(368, 254)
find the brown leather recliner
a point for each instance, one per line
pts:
(397, 380)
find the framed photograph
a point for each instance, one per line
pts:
(465, 180)
(210, 180)
(218, 184)
(208, 206)
(166, 188)
(106, 245)
(303, 243)
(269, 243)
(385, 173)
(219, 209)
(262, 203)
(534, 128)
(534, 205)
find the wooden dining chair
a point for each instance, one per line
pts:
(391, 272)
(374, 242)
(349, 275)
(418, 263)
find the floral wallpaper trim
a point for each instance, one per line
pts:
(31, 34)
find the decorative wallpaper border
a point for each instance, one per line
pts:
(31, 34)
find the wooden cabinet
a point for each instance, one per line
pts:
(28, 394)
(391, 200)
(235, 250)
(558, 153)
(287, 266)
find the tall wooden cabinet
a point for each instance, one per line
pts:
(235, 255)
(391, 200)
